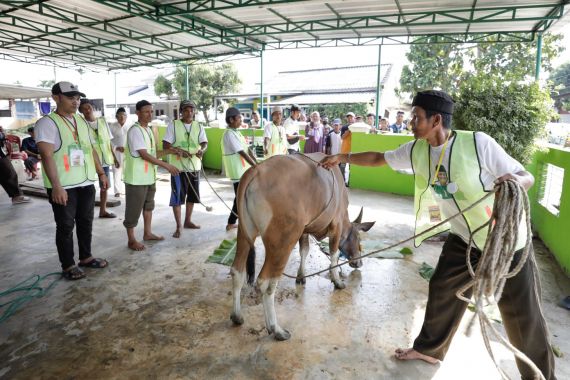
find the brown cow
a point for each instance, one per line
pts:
(283, 200)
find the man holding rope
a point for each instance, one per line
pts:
(453, 170)
(187, 139)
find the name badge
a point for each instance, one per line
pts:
(434, 214)
(76, 156)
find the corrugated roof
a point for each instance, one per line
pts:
(14, 91)
(109, 34)
(336, 98)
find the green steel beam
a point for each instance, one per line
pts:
(487, 15)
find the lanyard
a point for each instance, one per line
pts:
(150, 137)
(441, 158)
(72, 129)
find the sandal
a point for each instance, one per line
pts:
(73, 274)
(108, 215)
(95, 263)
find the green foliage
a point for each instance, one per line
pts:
(406, 251)
(205, 82)
(333, 111)
(513, 114)
(225, 253)
(162, 86)
(559, 83)
(47, 83)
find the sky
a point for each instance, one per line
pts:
(102, 84)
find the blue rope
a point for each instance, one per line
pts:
(30, 289)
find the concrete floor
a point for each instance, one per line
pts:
(164, 313)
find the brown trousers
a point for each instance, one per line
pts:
(519, 306)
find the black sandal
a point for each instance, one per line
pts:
(73, 274)
(95, 263)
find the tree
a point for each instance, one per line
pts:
(559, 83)
(513, 114)
(162, 86)
(47, 83)
(206, 82)
(333, 111)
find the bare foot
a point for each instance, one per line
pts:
(152, 236)
(191, 225)
(411, 354)
(231, 227)
(136, 246)
(176, 233)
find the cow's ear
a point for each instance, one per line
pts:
(364, 226)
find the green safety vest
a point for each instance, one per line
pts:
(278, 143)
(102, 143)
(73, 137)
(464, 171)
(234, 164)
(137, 171)
(186, 141)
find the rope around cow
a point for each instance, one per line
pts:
(493, 269)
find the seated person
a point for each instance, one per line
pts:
(30, 147)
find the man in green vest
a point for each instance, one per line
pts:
(70, 168)
(452, 170)
(236, 157)
(187, 141)
(274, 141)
(101, 135)
(139, 175)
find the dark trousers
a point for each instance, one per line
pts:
(233, 215)
(9, 178)
(78, 210)
(519, 307)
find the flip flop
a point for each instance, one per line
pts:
(95, 263)
(73, 274)
(108, 215)
(21, 200)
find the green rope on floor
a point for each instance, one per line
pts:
(30, 289)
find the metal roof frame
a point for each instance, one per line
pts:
(124, 34)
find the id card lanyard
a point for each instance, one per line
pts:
(441, 158)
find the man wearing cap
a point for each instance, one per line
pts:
(274, 134)
(236, 157)
(332, 145)
(119, 131)
(70, 168)
(453, 170)
(101, 134)
(139, 175)
(185, 142)
(291, 127)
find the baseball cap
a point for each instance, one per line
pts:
(350, 114)
(336, 121)
(67, 89)
(232, 112)
(276, 109)
(187, 103)
(295, 107)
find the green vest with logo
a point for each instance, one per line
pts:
(102, 142)
(137, 171)
(277, 143)
(189, 142)
(234, 164)
(464, 172)
(72, 172)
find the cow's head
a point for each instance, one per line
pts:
(350, 241)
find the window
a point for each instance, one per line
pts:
(550, 190)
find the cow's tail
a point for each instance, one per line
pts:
(247, 231)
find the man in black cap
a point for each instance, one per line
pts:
(460, 169)
(185, 142)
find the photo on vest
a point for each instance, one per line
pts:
(440, 186)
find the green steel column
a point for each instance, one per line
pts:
(538, 57)
(115, 91)
(187, 84)
(378, 86)
(261, 87)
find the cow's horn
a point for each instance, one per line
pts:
(359, 217)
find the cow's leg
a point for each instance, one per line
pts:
(334, 272)
(304, 251)
(238, 276)
(267, 287)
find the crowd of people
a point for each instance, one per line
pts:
(77, 150)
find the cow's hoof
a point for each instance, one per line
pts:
(301, 281)
(339, 284)
(236, 319)
(282, 335)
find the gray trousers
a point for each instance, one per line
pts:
(519, 306)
